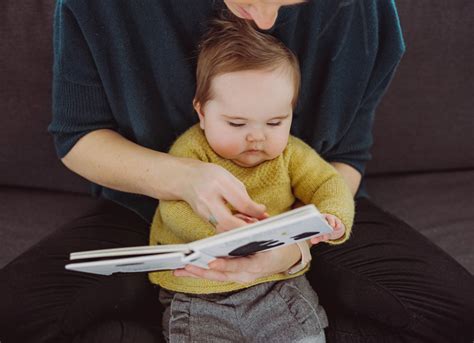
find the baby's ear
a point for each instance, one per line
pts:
(198, 108)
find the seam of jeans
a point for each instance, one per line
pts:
(375, 283)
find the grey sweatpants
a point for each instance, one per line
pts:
(279, 311)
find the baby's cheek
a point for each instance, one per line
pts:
(226, 149)
(275, 149)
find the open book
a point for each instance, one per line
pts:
(299, 224)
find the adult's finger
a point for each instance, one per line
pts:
(245, 218)
(251, 264)
(316, 240)
(224, 218)
(322, 238)
(184, 272)
(241, 201)
(209, 274)
(260, 264)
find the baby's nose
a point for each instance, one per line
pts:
(256, 135)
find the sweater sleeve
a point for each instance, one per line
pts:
(315, 181)
(354, 148)
(175, 221)
(80, 103)
(383, 40)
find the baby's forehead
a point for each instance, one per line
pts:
(253, 79)
(280, 76)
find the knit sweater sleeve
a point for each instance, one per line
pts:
(175, 221)
(80, 103)
(385, 45)
(354, 147)
(315, 181)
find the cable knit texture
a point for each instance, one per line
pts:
(298, 173)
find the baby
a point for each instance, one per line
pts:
(247, 88)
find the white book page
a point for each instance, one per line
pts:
(131, 264)
(142, 250)
(287, 228)
(267, 234)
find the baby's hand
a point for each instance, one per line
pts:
(337, 226)
(247, 219)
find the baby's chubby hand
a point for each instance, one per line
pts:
(337, 226)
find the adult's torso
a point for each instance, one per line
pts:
(145, 55)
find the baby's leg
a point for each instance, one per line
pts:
(283, 311)
(198, 318)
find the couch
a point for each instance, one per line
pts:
(423, 156)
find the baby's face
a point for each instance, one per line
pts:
(248, 119)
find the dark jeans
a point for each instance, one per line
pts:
(386, 284)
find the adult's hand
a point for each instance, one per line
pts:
(246, 269)
(207, 188)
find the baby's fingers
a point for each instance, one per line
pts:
(322, 238)
(331, 220)
(339, 224)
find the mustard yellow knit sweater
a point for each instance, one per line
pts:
(298, 173)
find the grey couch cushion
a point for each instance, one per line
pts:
(27, 156)
(425, 121)
(439, 205)
(26, 216)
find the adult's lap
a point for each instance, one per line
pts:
(386, 284)
(41, 301)
(394, 281)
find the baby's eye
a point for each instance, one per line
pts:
(235, 124)
(275, 124)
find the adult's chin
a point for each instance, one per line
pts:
(238, 11)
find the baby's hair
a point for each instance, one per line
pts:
(233, 44)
